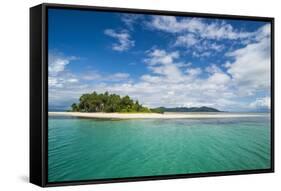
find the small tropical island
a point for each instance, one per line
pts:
(108, 103)
(113, 103)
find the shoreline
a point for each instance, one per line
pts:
(152, 115)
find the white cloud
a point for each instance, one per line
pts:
(251, 67)
(60, 82)
(213, 69)
(261, 103)
(91, 75)
(130, 19)
(198, 44)
(263, 32)
(219, 78)
(117, 76)
(173, 25)
(151, 79)
(183, 65)
(203, 37)
(72, 80)
(193, 71)
(163, 63)
(201, 55)
(58, 62)
(213, 30)
(97, 76)
(123, 38)
(216, 47)
(54, 82)
(120, 76)
(187, 40)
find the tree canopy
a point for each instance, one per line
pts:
(105, 102)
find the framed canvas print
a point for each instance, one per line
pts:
(127, 95)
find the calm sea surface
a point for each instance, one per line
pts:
(83, 149)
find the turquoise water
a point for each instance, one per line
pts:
(83, 149)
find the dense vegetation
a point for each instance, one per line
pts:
(105, 102)
(184, 109)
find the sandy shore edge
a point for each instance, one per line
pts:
(150, 115)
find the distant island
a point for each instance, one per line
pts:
(185, 109)
(113, 103)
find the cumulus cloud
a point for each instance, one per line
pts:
(193, 71)
(213, 69)
(251, 66)
(91, 75)
(130, 19)
(173, 25)
(99, 77)
(115, 77)
(213, 30)
(187, 40)
(123, 38)
(198, 44)
(162, 63)
(62, 84)
(261, 103)
(202, 37)
(57, 63)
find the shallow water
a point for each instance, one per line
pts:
(83, 149)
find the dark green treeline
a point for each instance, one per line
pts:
(105, 102)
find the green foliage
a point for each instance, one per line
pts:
(106, 102)
(74, 107)
(158, 110)
(184, 109)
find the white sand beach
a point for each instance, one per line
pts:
(153, 115)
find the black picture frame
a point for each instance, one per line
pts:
(39, 93)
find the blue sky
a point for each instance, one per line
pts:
(159, 60)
